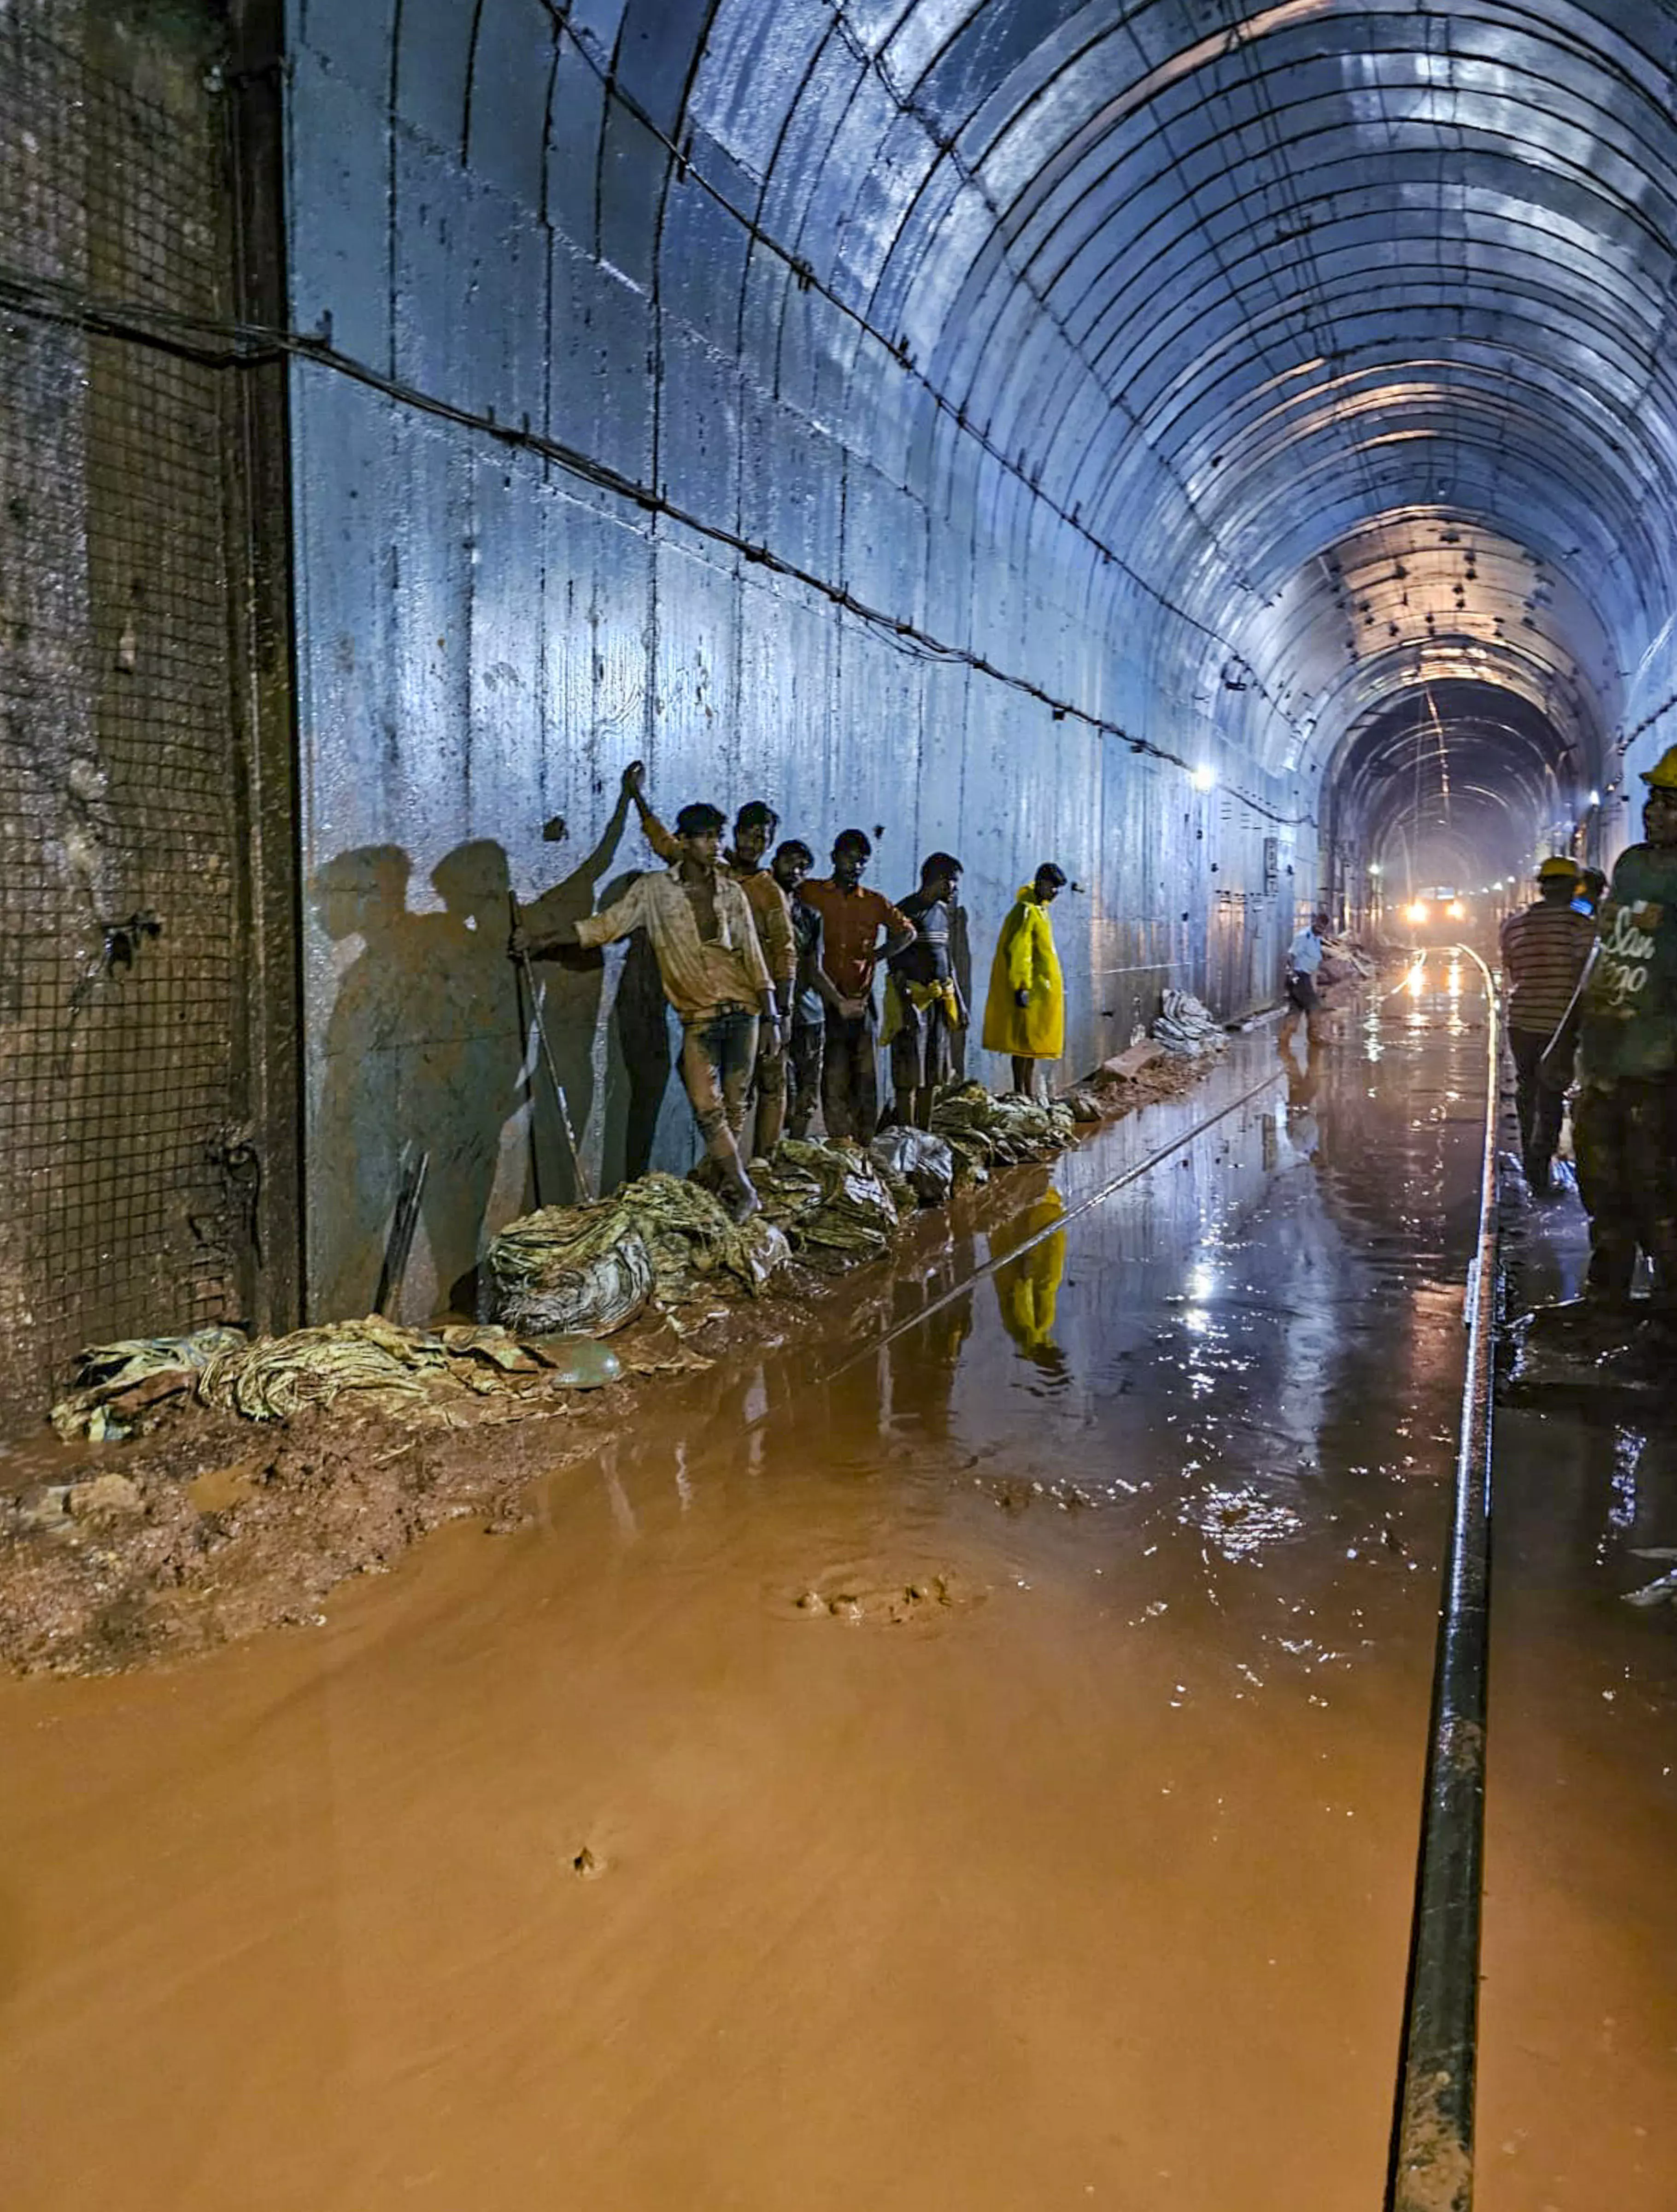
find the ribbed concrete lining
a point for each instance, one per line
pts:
(1234, 293)
(970, 418)
(1227, 285)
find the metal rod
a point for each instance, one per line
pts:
(584, 1189)
(1431, 2163)
(526, 1066)
(399, 1247)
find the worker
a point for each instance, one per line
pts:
(1543, 948)
(1304, 965)
(1625, 1126)
(753, 828)
(852, 918)
(923, 1008)
(1587, 899)
(714, 974)
(1024, 1013)
(811, 995)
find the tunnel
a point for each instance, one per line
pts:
(1225, 450)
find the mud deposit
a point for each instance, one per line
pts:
(964, 1755)
(213, 1529)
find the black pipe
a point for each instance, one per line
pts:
(1431, 2164)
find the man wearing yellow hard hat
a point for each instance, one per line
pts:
(1625, 1124)
(1544, 947)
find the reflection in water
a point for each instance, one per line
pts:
(1028, 1284)
(1099, 1670)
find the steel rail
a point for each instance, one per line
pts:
(1430, 2167)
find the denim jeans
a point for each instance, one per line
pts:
(718, 1054)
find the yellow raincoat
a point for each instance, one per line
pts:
(1026, 961)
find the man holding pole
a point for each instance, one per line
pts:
(714, 974)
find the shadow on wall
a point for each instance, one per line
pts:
(422, 1053)
(428, 1047)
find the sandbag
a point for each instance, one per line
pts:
(916, 1158)
(591, 1268)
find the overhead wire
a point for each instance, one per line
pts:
(808, 279)
(230, 343)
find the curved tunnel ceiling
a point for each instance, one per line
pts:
(1448, 783)
(1346, 324)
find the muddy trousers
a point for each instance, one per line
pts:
(1303, 1005)
(768, 1090)
(850, 1078)
(1626, 1139)
(806, 1056)
(718, 1054)
(1538, 1104)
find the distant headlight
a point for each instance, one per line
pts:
(1417, 911)
(1456, 911)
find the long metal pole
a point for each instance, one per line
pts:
(1431, 2165)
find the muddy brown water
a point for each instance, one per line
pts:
(979, 1771)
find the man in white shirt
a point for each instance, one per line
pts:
(1304, 963)
(715, 976)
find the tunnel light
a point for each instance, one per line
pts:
(1596, 798)
(1204, 779)
(1375, 868)
(1416, 911)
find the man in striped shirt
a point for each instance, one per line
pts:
(1544, 947)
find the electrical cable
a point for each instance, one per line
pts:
(246, 345)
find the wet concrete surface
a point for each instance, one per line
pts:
(980, 1768)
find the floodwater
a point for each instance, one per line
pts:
(971, 1762)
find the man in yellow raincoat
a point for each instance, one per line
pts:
(1025, 1015)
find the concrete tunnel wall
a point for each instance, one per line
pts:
(488, 633)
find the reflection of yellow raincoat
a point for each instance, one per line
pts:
(1026, 961)
(1027, 1287)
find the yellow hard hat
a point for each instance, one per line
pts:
(1662, 776)
(1558, 869)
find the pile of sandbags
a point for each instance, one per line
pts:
(985, 1132)
(830, 1199)
(1185, 1027)
(660, 1239)
(114, 1383)
(410, 1373)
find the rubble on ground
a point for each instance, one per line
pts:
(256, 1476)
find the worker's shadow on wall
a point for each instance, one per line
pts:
(637, 1055)
(429, 1048)
(422, 1053)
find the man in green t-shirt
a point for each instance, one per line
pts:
(1625, 1122)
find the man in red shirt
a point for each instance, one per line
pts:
(851, 920)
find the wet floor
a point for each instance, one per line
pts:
(975, 1768)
